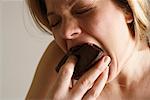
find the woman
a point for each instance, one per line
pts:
(119, 27)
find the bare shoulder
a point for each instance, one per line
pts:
(52, 55)
(45, 73)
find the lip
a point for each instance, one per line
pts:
(81, 43)
(91, 43)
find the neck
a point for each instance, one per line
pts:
(137, 67)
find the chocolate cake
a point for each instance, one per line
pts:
(87, 55)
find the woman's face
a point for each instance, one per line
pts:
(101, 22)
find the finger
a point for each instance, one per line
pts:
(65, 74)
(97, 88)
(87, 80)
(74, 82)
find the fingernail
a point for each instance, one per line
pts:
(107, 60)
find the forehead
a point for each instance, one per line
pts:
(60, 3)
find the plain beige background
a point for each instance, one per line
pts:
(21, 47)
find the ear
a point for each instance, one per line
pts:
(128, 17)
(129, 21)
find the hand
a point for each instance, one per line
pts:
(88, 87)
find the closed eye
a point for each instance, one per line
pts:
(55, 23)
(82, 11)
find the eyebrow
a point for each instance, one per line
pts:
(70, 3)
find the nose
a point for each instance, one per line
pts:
(70, 28)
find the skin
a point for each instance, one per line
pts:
(76, 29)
(105, 25)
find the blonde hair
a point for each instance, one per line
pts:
(139, 9)
(141, 14)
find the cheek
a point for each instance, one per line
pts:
(107, 29)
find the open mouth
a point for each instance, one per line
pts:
(87, 55)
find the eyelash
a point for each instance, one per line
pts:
(54, 25)
(83, 11)
(78, 12)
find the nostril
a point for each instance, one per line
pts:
(74, 34)
(70, 32)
